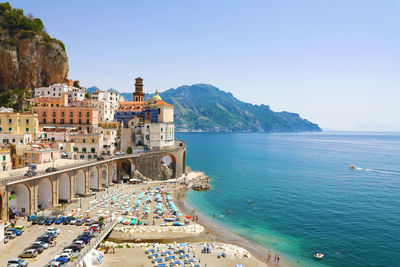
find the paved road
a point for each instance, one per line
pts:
(15, 246)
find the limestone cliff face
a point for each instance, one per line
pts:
(31, 62)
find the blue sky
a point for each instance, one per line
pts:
(337, 63)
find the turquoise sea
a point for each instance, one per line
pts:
(295, 192)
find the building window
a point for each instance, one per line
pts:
(54, 121)
(10, 130)
(62, 114)
(44, 113)
(54, 114)
(44, 120)
(84, 149)
(1, 129)
(93, 150)
(92, 141)
(87, 121)
(87, 114)
(4, 158)
(71, 121)
(9, 121)
(71, 114)
(27, 121)
(84, 140)
(80, 114)
(56, 105)
(27, 130)
(51, 105)
(80, 121)
(62, 121)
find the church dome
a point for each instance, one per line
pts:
(157, 97)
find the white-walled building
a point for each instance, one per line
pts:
(158, 135)
(88, 146)
(5, 160)
(55, 90)
(107, 102)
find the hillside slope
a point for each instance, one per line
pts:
(203, 107)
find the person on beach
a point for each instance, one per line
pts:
(278, 258)
(275, 258)
(269, 255)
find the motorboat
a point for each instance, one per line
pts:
(352, 167)
(318, 255)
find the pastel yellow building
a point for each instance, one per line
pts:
(15, 126)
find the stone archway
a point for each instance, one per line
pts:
(114, 172)
(80, 182)
(20, 199)
(168, 166)
(45, 193)
(104, 176)
(126, 168)
(94, 178)
(64, 188)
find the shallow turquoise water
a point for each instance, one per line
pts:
(296, 194)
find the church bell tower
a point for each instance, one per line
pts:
(138, 95)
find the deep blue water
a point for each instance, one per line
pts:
(295, 193)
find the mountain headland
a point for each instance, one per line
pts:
(205, 108)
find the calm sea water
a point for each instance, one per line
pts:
(296, 194)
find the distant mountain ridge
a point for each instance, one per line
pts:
(203, 107)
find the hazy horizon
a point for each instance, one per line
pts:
(333, 62)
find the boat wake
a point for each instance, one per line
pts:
(374, 170)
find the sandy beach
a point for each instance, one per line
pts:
(132, 241)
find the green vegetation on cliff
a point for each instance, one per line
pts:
(15, 25)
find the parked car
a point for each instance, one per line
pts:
(60, 220)
(51, 169)
(44, 244)
(30, 173)
(31, 217)
(53, 229)
(29, 253)
(75, 248)
(15, 231)
(100, 158)
(6, 239)
(73, 221)
(79, 243)
(17, 262)
(79, 222)
(66, 255)
(51, 220)
(119, 153)
(89, 222)
(38, 247)
(10, 235)
(37, 219)
(46, 239)
(85, 240)
(67, 220)
(20, 227)
(43, 221)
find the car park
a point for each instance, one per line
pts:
(29, 253)
(17, 262)
(60, 220)
(10, 235)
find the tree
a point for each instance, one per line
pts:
(76, 84)
(129, 150)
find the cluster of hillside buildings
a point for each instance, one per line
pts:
(65, 121)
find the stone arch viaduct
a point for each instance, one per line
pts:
(25, 195)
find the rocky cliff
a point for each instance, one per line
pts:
(29, 57)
